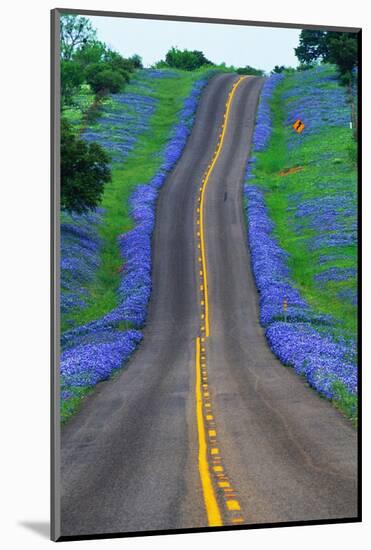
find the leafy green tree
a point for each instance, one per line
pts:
(76, 32)
(339, 48)
(160, 65)
(137, 61)
(103, 79)
(119, 63)
(93, 52)
(278, 69)
(250, 71)
(84, 172)
(71, 79)
(312, 46)
(343, 51)
(186, 59)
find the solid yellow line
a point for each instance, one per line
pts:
(211, 504)
(207, 176)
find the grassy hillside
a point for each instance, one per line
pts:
(309, 185)
(106, 254)
(136, 157)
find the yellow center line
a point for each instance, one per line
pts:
(203, 189)
(207, 437)
(211, 504)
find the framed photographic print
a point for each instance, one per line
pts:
(205, 278)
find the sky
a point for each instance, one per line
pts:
(238, 45)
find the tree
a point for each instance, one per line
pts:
(137, 61)
(250, 71)
(92, 52)
(84, 172)
(339, 48)
(119, 63)
(71, 79)
(186, 59)
(107, 81)
(312, 46)
(343, 51)
(76, 31)
(278, 69)
(104, 79)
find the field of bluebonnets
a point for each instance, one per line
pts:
(106, 254)
(301, 206)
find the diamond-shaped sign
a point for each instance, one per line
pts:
(298, 126)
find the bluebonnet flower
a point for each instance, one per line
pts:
(270, 269)
(311, 100)
(263, 128)
(306, 341)
(335, 274)
(89, 363)
(80, 246)
(321, 360)
(150, 74)
(121, 120)
(348, 295)
(333, 219)
(91, 352)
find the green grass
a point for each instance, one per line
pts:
(346, 403)
(327, 165)
(323, 158)
(81, 103)
(71, 405)
(139, 167)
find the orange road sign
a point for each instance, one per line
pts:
(298, 126)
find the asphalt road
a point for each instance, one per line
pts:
(130, 456)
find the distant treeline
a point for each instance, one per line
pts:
(191, 60)
(86, 60)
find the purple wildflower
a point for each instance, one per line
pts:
(304, 340)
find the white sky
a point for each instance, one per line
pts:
(260, 47)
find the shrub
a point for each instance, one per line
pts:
(103, 79)
(118, 63)
(186, 59)
(305, 66)
(278, 69)
(137, 61)
(90, 54)
(250, 71)
(71, 80)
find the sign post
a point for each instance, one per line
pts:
(285, 310)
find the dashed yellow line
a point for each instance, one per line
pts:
(211, 504)
(233, 505)
(200, 220)
(216, 487)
